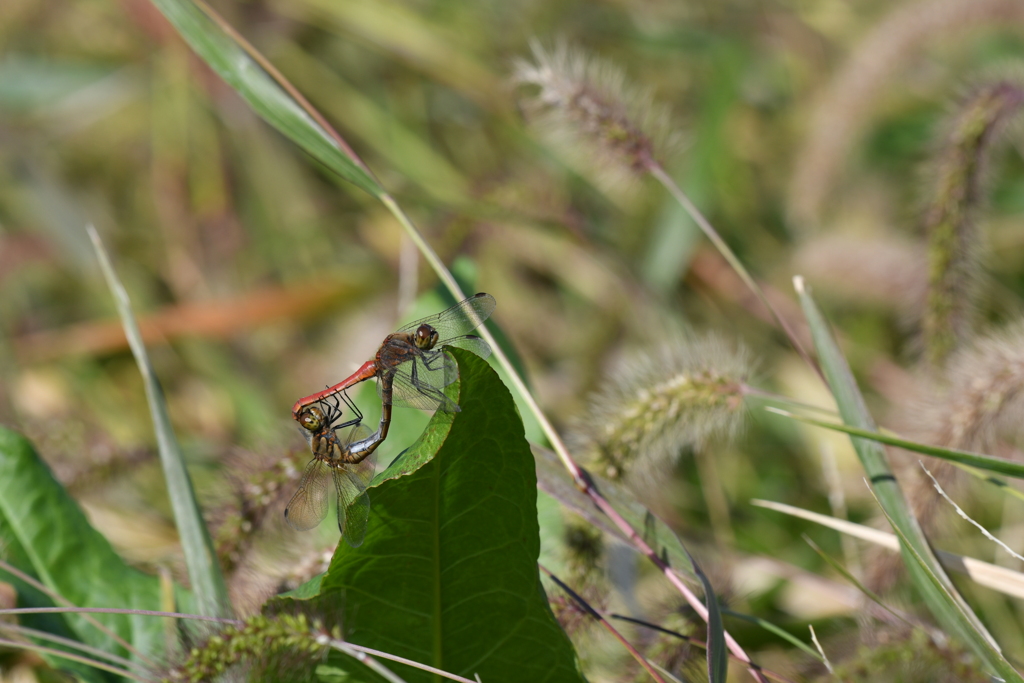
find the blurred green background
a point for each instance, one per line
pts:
(259, 277)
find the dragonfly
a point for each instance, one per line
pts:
(346, 450)
(411, 366)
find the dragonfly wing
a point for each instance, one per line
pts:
(461, 318)
(353, 500)
(473, 343)
(355, 519)
(413, 386)
(308, 506)
(356, 432)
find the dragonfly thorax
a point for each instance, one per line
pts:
(425, 337)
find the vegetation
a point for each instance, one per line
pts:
(727, 248)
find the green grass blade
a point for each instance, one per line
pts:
(244, 69)
(776, 630)
(940, 583)
(836, 565)
(718, 653)
(989, 463)
(211, 593)
(948, 607)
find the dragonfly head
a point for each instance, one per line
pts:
(425, 337)
(312, 419)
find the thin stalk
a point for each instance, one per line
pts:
(656, 170)
(400, 660)
(58, 598)
(594, 614)
(68, 642)
(114, 610)
(774, 399)
(366, 660)
(54, 652)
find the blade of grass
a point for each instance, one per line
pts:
(776, 630)
(718, 655)
(982, 573)
(990, 463)
(940, 583)
(948, 607)
(836, 565)
(259, 84)
(211, 593)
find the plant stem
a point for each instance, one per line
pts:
(54, 652)
(656, 170)
(400, 660)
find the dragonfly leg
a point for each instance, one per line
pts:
(336, 411)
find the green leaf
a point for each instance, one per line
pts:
(990, 463)
(45, 533)
(204, 573)
(925, 572)
(448, 573)
(237, 63)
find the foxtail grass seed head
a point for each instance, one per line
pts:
(950, 218)
(260, 643)
(658, 403)
(584, 107)
(983, 396)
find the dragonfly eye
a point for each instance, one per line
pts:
(425, 337)
(312, 419)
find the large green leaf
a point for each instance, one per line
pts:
(236, 63)
(45, 533)
(928, 577)
(448, 574)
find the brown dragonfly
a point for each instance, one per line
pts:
(411, 366)
(346, 450)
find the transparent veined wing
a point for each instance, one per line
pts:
(414, 385)
(308, 506)
(460, 319)
(351, 481)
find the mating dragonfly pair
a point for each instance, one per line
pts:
(411, 369)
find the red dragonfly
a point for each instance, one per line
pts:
(411, 366)
(348, 456)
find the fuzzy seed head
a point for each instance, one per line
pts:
(659, 403)
(253, 644)
(984, 394)
(950, 219)
(584, 107)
